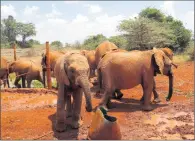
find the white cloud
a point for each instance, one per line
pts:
(133, 16)
(80, 18)
(7, 10)
(168, 8)
(29, 11)
(54, 13)
(93, 8)
(77, 29)
(71, 2)
(57, 21)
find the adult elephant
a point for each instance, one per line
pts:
(4, 72)
(125, 70)
(72, 72)
(26, 70)
(169, 53)
(104, 47)
(90, 55)
(54, 55)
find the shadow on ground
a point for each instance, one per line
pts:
(69, 134)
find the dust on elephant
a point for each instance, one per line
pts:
(125, 70)
(104, 47)
(72, 72)
(54, 55)
(167, 52)
(90, 55)
(25, 70)
(4, 72)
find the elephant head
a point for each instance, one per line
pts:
(73, 71)
(162, 65)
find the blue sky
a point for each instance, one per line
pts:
(69, 21)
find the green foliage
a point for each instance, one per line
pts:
(143, 33)
(182, 35)
(56, 45)
(37, 84)
(119, 41)
(9, 30)
(152, 13)
(93, 41)
(190, 50)
(25, 30)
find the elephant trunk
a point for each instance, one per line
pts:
(168, 98)
(84, 83)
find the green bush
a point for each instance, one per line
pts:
(190, 50)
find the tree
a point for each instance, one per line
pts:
(143, 33)
(119, 41)
(57, 44)
(182, 35)
(152, 13)
(9, 29)
(93, 41)
(25, 30)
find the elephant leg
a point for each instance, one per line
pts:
(60, 113)
(29, 82)
(77, 102)
(106, 102)
(147, 89)
(156, 96)
(68, 107)
(16, 82)
(23, 82)
(8, 81)
(119, 94)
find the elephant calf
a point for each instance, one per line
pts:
(72, 72)
(27, 70)
(4, 72)
(125, 70)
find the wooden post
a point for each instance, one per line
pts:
(48, 66)
(14, 47)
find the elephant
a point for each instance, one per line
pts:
(170, 54)
(72, 72)
(54, 55)
(27, 70)
(125, 70)
(90, 55)
(4, 72)
(104, 47)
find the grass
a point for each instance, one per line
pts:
(181, 58)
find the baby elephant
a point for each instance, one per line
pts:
(72, 72)
(27, 70)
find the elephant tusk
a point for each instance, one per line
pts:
(174, 65)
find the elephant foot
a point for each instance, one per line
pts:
(119, 96)
(147, 108)
(68, 115)
(60, 126)
(157, 100)
(77, 124)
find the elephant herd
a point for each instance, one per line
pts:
(116, 69)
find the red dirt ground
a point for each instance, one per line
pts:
(30, 113)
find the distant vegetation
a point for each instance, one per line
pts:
(152, 28)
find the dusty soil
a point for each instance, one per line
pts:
(30, 113)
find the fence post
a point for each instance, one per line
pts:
(14, 47)
(48, 66)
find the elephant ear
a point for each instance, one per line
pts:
(59, 71)
(159, 59)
